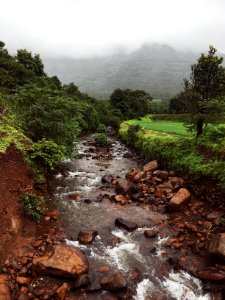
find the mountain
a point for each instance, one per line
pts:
(157, 69)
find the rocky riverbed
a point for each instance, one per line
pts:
(122, 230)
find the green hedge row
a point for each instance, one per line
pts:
(175, 152)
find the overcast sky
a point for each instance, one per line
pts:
(82, 28)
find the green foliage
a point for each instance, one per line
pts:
(101, 140)
(47, 153)
(183, 118)
(180, 153)
(46, 113)
(101, 128)
(131, 103)
(205, 90)
(108, 115)
(33, 205)
(11, 135)
(30, 62)
(89, 117)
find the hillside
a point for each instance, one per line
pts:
(157, 69)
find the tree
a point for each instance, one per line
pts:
(46, 113)
(32, 63)
(207, 83)
(131, 103)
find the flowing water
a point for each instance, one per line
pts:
(134, 251)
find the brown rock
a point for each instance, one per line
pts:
(151, 166)
(140, 176)
(217, 245)
(179, 199)
(150, 233)
(128, 225)
(61, 260)
(113, 282)
(75, 197)
(60, 293)
(38, 243)
(53, 214)
(23, 280)
(107, 179)
(87, 236)
(124, 187)
(211, 274)
(161, 174)
(121, 199)
(23, 296)
(4, 290)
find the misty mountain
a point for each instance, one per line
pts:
(157, 69)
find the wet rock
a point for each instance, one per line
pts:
(87, 236)
(23, 280)
(124, 187)
(151, 233)
(115, 241)
(95, 285)
(53, 214)
(81, 281)
(151, 166)
(23, 296)
(127, 225)
(61, 260)
(217, 245)
(4, 290)
(179, 199)
(137, 196)
(107, 179)
(114, 281)
(121, 199)
(211, 274)
(161, 174)
(134, 275)
(75, 197)
(60, 293)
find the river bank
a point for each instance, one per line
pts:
(147, 246)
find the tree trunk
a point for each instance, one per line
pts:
(199, 127)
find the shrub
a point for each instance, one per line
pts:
(132, 132)
(101, 140)
(47, 153)
(33, 205)
(101, 128)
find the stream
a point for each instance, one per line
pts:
(134, 254)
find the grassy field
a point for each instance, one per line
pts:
(171, 127)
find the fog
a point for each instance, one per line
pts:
(82, 28)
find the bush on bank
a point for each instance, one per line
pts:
(183, 154)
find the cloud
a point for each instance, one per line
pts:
(93, 27)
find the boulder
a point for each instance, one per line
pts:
(217, 245)
(211, 274)
(161, 174)
(151, 166)
(61, 260)
(151, 233)
(107, 179)
(114, 281)
(179, 199)
(4, 290)
(81, 281)
(121, 199)
(87, 236)
(124, 187)
(60, 293)
(127, 225)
